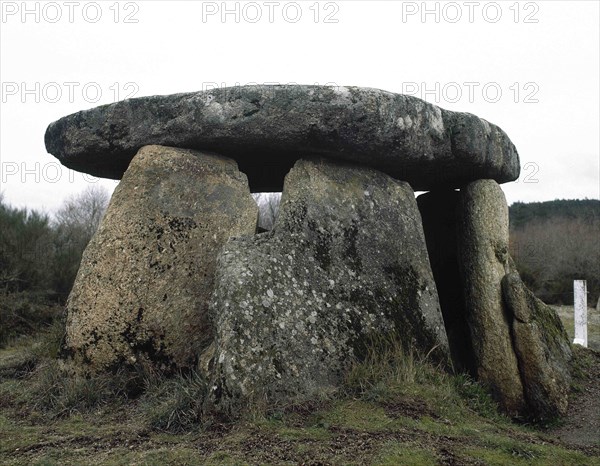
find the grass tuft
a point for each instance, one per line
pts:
(53, 390)
(174, 405)
(385, 366)
(476, 397)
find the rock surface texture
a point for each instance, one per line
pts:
(345, 263)
(267, 128)
(521, 349)
(542, 348)
(143, 288)
(484, 260)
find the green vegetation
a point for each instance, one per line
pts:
(554, 243)
(395, 408)
(174, 405)
(39, 258)
(522, 213)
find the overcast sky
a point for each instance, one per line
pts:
(530, 67)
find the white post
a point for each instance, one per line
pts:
(580, 300)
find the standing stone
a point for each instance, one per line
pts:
(345, 265)
(542, 348)
(143, 288)
(484, 260)
(439, 210)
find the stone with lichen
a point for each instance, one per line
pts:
(542, 348)
(273, 126)
(142, 291)
(482, 229)
(345, 263)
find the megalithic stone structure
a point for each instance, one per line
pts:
(176, 278)
(483, 262)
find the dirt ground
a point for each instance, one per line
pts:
(581, 427)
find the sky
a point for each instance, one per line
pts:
(531, 68)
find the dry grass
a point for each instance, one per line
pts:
(566, 314)
(397, 408)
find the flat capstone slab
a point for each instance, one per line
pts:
(266, 129)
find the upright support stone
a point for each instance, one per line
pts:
(345, 266)
(142, 292)
(484, 260)
(580, 302)
(542, 348)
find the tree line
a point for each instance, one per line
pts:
(554, 243)
(39, 258)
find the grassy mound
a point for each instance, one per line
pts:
(394, 408)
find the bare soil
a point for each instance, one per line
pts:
(581, 426)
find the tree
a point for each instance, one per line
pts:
(555, 243)
(25, 244)
(83, 212)
(75, 223)
(26, 260)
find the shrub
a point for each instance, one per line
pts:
(24, 313)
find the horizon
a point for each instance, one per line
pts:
(51, 213)
(502, 62)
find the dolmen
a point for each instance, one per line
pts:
(177, 278)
